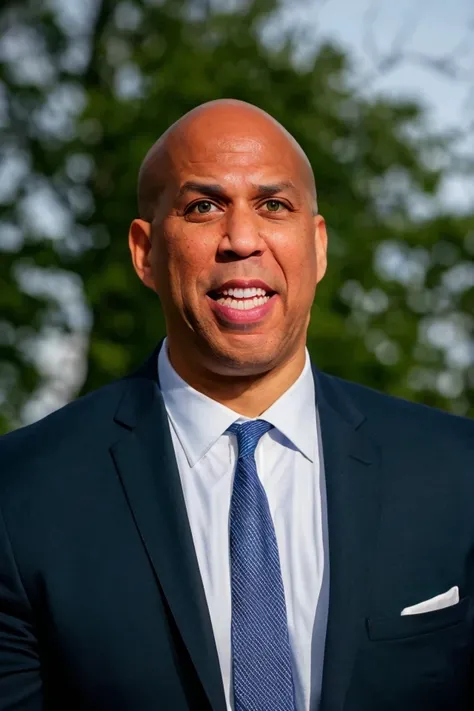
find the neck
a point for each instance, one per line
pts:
(248, 395)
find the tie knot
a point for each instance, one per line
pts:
(248, 435)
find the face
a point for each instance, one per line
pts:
(234, 250)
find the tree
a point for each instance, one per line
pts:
(84, 97)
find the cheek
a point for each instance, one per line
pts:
(186, 258)
(167, 265)
(298, 258)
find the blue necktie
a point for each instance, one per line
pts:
(262, 674)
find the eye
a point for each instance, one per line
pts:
(274, 205)
(203, 207)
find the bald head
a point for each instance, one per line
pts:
(225, 121)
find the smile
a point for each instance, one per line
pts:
(239, 306)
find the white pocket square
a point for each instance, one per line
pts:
(447, 599)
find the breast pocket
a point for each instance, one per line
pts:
(412, 625)
(415, 662)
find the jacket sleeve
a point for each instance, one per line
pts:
(20, 676)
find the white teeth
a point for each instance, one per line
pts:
(244, 293)
(243, 305)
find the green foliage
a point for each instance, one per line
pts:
(80, 104)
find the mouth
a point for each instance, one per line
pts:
(241, 303)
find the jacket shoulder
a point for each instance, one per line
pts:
(69, 433)
(388, 411)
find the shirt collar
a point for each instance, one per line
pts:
(199, 421)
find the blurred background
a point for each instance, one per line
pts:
(379, 94)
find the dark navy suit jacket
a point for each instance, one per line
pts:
(101, 601)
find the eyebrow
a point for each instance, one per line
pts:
(217, 191)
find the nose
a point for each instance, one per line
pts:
(242, 238)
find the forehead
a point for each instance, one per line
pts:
(234, 152)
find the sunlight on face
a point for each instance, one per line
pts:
(237, 249)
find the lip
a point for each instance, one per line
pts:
(244, 284)
(242, 317)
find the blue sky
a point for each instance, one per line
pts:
(419, 29)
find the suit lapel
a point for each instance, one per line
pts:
(146, 464)
(352, 490)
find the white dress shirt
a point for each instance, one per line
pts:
(289, 465)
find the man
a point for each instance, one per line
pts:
(228, 527)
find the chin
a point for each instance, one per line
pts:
(244, 358)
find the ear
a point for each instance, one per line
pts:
(139, 242)
(321, 241)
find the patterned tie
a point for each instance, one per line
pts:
(261, 655)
